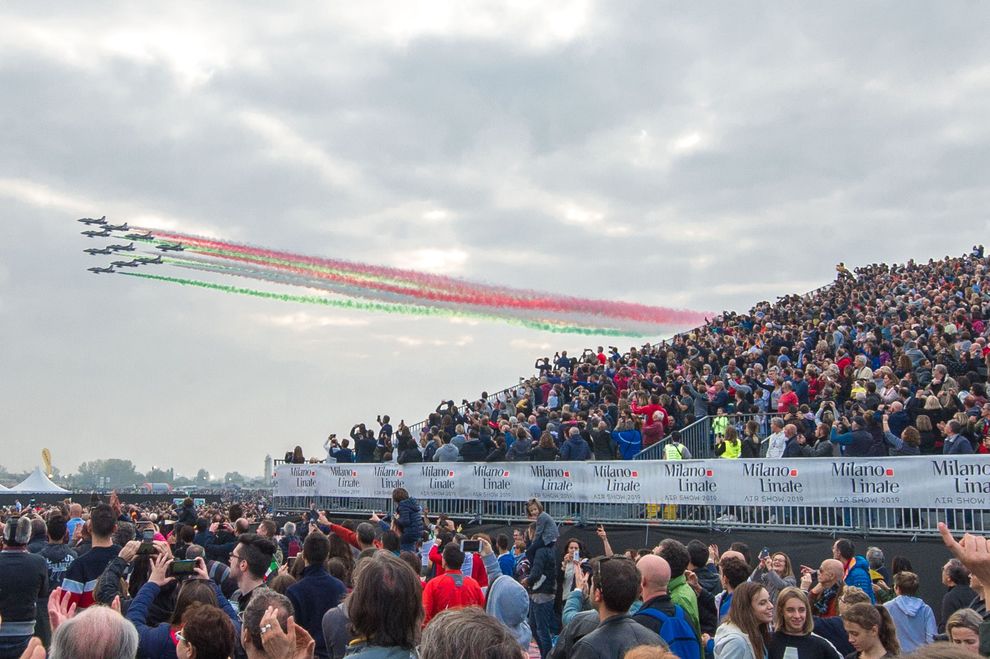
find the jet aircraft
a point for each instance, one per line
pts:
(93, 251)
(121, 248)
(139, 236)
(97, 271)
(125, 264)
(96, 234)
(118, 227)
(171, 247)
(147, 260)
(89, 220)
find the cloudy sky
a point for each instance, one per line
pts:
(689, 155)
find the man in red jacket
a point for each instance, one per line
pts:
(452, 589)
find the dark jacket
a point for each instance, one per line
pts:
(410, 520)
(540, 454)
(958, 597)
(187, 516)
(365, 449)
(603, 446)
(473, 451)
(575, 448)
(543, 572)
(24, 579)
(316, 592)
(613, 638)
(580, 626)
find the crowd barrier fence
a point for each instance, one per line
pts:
(870, 496)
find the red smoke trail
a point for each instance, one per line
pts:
(458, 291)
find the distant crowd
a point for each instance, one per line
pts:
(119, 582)
(887, 360)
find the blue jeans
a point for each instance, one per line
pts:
(542, 621)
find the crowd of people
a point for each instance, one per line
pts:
(887, 360)
(119, 581)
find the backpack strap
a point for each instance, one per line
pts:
(458, 579)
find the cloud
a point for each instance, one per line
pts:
(685, 157)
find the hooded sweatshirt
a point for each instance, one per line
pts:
(914, 621)
(508, 602)
(732, 643)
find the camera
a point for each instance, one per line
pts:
(468, 546)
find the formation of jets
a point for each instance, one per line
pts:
(104, 230)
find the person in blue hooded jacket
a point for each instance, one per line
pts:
(857, 568)
(913, 619)
(409, 519)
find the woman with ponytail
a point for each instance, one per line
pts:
(745, 634)
(871, 631)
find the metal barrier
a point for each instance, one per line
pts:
(803, 519)
(699, 436)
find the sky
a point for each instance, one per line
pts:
(702, 156)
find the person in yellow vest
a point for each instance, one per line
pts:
(730, 446)
(719, 424)
(674, 449)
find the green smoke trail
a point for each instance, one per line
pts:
(406, 309)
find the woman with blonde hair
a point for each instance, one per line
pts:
(794, 626)
(963, 629)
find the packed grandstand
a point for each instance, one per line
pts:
(886, 360)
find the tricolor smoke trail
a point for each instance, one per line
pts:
(437, 286)
(379, 307)
(396, 291)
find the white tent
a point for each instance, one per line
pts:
(37, 483)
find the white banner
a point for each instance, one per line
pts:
(910, 482)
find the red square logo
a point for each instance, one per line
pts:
(889, 472)
(505, 474)
(709, 473)
(793, 473)
(567, 474)
(635, 474)
(399, 474)
(450, 473)
(354, 473)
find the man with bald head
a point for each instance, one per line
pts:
(792, 448)
(825, 595)
(657, 606)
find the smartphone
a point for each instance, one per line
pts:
(181, 569)
(470, 546)
(577, 556)
(290, 561)
(148, 535)
(764, 553)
